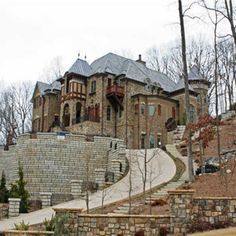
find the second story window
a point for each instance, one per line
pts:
(142, 107)
(151, 110)
(108, 112)
(93, 87)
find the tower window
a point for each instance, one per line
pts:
(93, 86)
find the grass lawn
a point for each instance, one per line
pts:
(219, 232)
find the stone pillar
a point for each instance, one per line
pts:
(14, 207)
(76, 188)
(100, 177)
(181, 203)
(122, 157)
(116, 169)
(46, 199)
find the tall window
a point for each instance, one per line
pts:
(173, 113)
(142, 108)
(158, 141)
(192, 113)
(159, 110)
(151, 141)
(93, 86)
(142, 140)
(108, 112)
(151, 110)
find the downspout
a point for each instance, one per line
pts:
(139, 122)
(42, 117)
(102, 116)
(126, 113)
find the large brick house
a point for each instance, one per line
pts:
(119, 97)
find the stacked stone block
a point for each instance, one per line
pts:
(76, 188)
(96, 225)
(50, 163)
(46, 199)
(4, 208)
(14, 207)
(181, 204)
(215, 209)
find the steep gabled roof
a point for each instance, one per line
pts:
(81, 67)
(45, 88)
(180, 85)
(194, 73)
(115, 64)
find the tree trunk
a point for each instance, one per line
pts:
(216, 86)
(187, 99)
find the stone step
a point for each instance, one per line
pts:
(120, 212)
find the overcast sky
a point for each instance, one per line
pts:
(34, 32)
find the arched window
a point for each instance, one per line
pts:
(78, 112)
(192, 113)
(66, 115)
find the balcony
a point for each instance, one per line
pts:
(115, 95)
(72, 95)
(115, 90)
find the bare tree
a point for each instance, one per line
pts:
(8, 122)
(52, 72)
(187, 99)
(22, 94)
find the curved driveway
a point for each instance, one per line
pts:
(160, 169)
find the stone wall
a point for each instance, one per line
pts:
(184, 211)
(122, 225)
(214, 209)
(52, 160)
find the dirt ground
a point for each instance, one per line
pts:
(214, 184)
(219, 232)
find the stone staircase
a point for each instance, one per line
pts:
(175, 136)
(124, 209)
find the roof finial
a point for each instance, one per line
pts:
(78, 54)
(85, 57)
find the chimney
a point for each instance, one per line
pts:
(140, 60)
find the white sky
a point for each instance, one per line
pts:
(33, 32)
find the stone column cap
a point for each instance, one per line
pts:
(182, 191)
(14, 199)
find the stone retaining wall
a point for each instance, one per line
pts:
(184, 210)
(50, 161)
(214, 209)
(122, 225)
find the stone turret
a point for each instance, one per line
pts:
(201, 86)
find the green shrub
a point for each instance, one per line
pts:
(21, 226)
(18, 191)
(4, 193)
(57, 224)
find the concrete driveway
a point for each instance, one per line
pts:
(160, 169)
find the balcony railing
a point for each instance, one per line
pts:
(115, 90)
